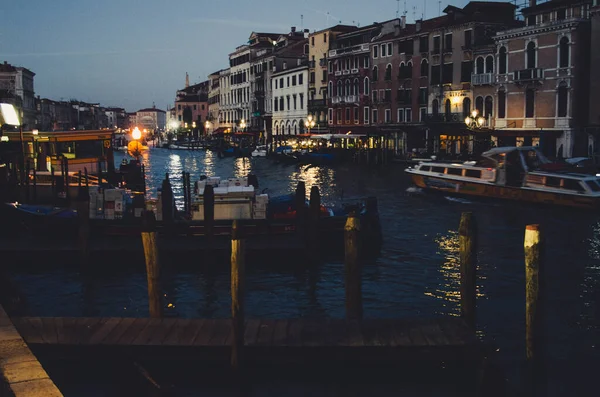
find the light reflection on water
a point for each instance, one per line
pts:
(417, 274)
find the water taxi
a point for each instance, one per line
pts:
(514, 173)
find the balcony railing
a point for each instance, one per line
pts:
(482, 79)
(316, 103)
(311, 64)
(338, 73)
(349, 50)
(532, 74)
(323, 62)
(345, 99)
(445, 118)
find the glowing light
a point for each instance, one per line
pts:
(9, 114)
(136, 134)
(35, 132)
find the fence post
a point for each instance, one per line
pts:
(468, 268)
(353, 268)
(238, 264)
(152, 264)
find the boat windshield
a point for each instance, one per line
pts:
(534, 158)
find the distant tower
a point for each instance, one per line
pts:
(187, 80)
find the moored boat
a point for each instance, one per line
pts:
(513, 173)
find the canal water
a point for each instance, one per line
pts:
(416, 274)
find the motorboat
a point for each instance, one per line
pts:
(513, 173)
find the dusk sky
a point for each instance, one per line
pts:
(131, 53)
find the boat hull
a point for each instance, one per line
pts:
(466, 188)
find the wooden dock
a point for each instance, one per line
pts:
(426, 339)
(22, 374)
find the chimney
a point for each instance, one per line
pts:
(532, 3)
(418, 25)
(293, 29)
(403, 22)
(306, 33)
(187, 80)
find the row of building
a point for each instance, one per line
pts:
(17, 88)
(412, 85)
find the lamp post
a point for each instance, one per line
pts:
(206, 127)
(473, 122)
(309, 123)
(243, 125)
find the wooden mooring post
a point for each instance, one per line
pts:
(167, 201)
(208, 199)
(300, 203)
(184, 189)
(354, 309)
(83, 220)
(152, 264)
(467, 235)
(238, 270)
(534, 298)
(313, 223)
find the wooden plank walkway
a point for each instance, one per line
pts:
(20, 370)
(430, 334)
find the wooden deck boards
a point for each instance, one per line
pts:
(438, 332)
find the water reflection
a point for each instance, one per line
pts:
(241, 168)
(448, 288)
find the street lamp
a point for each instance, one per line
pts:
(206, 126)
(243, 124)
(309, 123)
(473, 121)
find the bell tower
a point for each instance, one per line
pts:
(187, 80)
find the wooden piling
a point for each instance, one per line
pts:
(27, 169)
(189, 194)
(83, 219)
(66, 180)
(152, 264)
(352, 267)
(209, 211)
(313, 224)
(35, 184)
(534, 297)
(300, 203)
(468, 268)
(238, 269)
(167, 200)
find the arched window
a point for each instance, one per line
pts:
(448, 109)
(562, 96)
(479, 105)
(409, 69)
(402, 71)
(435, 107)
(479, 65)
(563, 48)
(488, 107)
(489, 64)
(375, 73)
(340, 89)
(501, 103)
(347, 91)
(502, 60)
(424, 68)
(355, 87)
(388, 72)
(466, 107)
(331, 92)
(367, 88)
(531, 55)
(529, 102)
(276, 128)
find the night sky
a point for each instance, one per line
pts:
(131, 53)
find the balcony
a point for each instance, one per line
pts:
(338, 73)
(344, 99)
(349, 50)
(317, 104)
(445, 118)
(527, 75)
(346, 72)
(311, 64)
(482, 79)
(353, 71)
(323, 62)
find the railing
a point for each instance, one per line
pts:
(349, 50)
(445, 118)
(345, 72)
(529, 74)
(353, 71)
(323, 62)
(482, 79)
(317, 103)
(345, 99)
(311, 64)
(338, 73)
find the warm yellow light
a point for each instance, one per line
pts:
(136, 134)
(474, 113)
(480, 121)
(310, 118)
(467, 120)
(35, 132)
(194, 124)
(207, 124)
(9, 114)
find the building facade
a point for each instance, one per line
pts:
(16, 87)
(319, 44)
(543, 82)
(290, 96)
(226, 116)
(214, 99)
(239, 77)
(151, 119)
